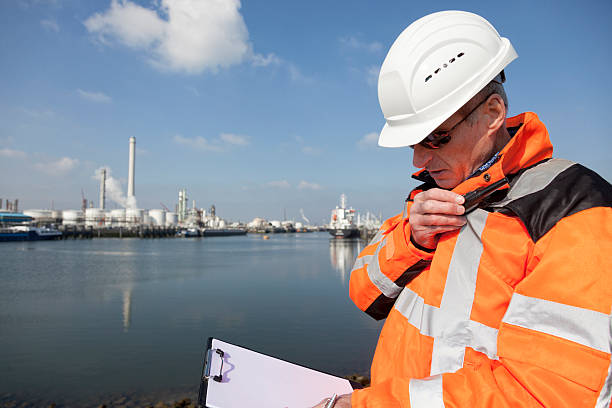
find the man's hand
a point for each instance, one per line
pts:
(343, 401)
(435, 212)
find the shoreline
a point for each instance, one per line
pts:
(161, 399)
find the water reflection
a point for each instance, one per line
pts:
(128, 269)
(342, 253)
(127, 307)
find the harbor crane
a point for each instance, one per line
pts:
(303, 216)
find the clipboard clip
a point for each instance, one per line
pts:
(208, 366)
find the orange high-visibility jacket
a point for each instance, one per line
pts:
(512, 310)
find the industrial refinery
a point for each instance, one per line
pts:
(130, 221)
(89, 221)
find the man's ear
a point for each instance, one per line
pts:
(495, 109)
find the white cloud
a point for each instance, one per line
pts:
(270, 60)
(372, 75)
(35, 3)
(310, 150)
(296, 75)
(10, 153)
(353, 42)
(278, 184)
(224, 142)
(50, 25)
(259, 60)
(192, 36)
(305, 185)
(368, 141)
(58, 167)
(98, 97)
(232, 139)
(198, 143)
(306, 149)
(38, 113)
(193, 90)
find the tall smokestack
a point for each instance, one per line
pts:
(130, 192)
(102, 188)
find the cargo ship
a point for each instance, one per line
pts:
(341, 224)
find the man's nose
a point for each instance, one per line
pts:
(421, 156)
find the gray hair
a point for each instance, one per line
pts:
(493, 87)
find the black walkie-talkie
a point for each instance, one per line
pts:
(474, 198)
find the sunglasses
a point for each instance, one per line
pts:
(439, 138)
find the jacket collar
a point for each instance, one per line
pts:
(529, 145)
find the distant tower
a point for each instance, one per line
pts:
(213, 211)
(131, 170)
(102, 188)
(182, 205)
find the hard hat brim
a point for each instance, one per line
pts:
(402, 135)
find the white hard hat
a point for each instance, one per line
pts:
(433, 68)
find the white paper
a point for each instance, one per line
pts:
(255, 380)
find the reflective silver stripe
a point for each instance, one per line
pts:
(446, 356)
(382, 282)
(414, 309)
(583, 326)
(377, 238)
(426, 393)
(450, 325)
(535, 179)
(605, 396)
(458, 296)
(361, 262)
(364, 260)
(426, 319)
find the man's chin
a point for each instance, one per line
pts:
(443, 182)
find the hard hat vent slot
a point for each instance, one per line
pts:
(445, 65)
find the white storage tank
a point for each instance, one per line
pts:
(133, 216)
(146, 218)
(158, 217)
(108, 219)
(40, 215)
(94, 217)
(171, 219)
(56, 215)
(118, 217)
(72, 217)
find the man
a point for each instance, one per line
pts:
(509, 304)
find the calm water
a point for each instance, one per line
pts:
(85, 318)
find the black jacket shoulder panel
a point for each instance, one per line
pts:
(544, 194)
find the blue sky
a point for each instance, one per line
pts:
(262, 107)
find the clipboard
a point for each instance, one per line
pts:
(237, 377)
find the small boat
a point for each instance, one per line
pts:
(28, 233)
(223, 232)
(188, 233)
